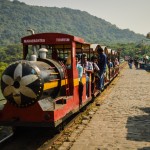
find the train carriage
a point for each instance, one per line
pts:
(43, 88)
(40, 90)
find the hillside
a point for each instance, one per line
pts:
(16, 17)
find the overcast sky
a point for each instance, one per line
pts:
(125, 14)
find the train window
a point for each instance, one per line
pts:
(31, 50)
(34, 49)
(49, 53)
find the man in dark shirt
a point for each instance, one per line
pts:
(102, 66)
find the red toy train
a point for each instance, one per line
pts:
(40, 90)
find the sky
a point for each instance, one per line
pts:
(125, 14)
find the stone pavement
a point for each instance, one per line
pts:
(122, 122)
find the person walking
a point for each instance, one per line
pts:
(130, 61)
(102, 66)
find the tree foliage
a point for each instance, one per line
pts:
(2, 67)
(10, 53)
(132, 49)
(16, 17)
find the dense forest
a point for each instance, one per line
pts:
(16, 17)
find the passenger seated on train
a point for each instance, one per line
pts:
(55, 54)
(116, 65)
(80, 74)
(95, 74)
(116, 62)
(87, 69)
(95, 63)
(109, 63)
(68, 61)
(79, 67)
(61, 60)
(106, 74)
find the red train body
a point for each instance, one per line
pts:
(40, 90)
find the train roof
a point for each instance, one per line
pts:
(104, 47)
(109, 50)
(51, 38)
(95, 46)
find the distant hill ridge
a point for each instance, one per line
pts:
(16, 17)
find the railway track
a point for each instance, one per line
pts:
(5, 134)
(6, 138)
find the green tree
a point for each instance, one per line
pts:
(2, 67)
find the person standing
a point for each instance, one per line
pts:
(136, 62)
(130, 61)
(95, 74)
(87, 69)
(80, 74)
(109, 63)
(102, 66)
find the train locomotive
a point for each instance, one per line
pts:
(40, 90)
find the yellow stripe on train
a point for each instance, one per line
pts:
(76, 81)
(54, 84)
(50, 85)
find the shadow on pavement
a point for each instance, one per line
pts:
(139, 127)
(144, 148)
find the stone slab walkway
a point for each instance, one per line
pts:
(122, 122)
